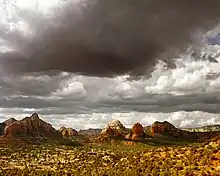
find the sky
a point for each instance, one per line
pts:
(80, 63)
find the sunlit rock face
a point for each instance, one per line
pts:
(136, 132)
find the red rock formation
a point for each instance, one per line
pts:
(165, 128)
(4, 124)
(114, 129)
(30, 127)
(109, 132)
(136, 133)
(68, 132)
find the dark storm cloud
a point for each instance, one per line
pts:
(109, 37)
(209, 102)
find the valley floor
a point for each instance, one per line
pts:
(128, 159)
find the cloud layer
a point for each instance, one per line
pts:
(104, 38)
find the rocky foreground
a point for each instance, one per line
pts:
(109, 160)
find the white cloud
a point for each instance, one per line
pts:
(99, 120)
(72, 89)
(180, 119)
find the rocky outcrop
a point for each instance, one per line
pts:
(9, 121)
(114, 129)
(136, 133)
(4, 124)
(165, 128)
(30, 127)
(68, 132)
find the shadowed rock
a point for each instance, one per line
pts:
(4, 124)
(68, 132)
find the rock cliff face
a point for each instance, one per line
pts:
(29, 127)
(114, 129)
(136, 133)
(68, 132)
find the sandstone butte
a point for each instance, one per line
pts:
(136, 133)
(29, 127)
(114, 129)
(166, 128)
